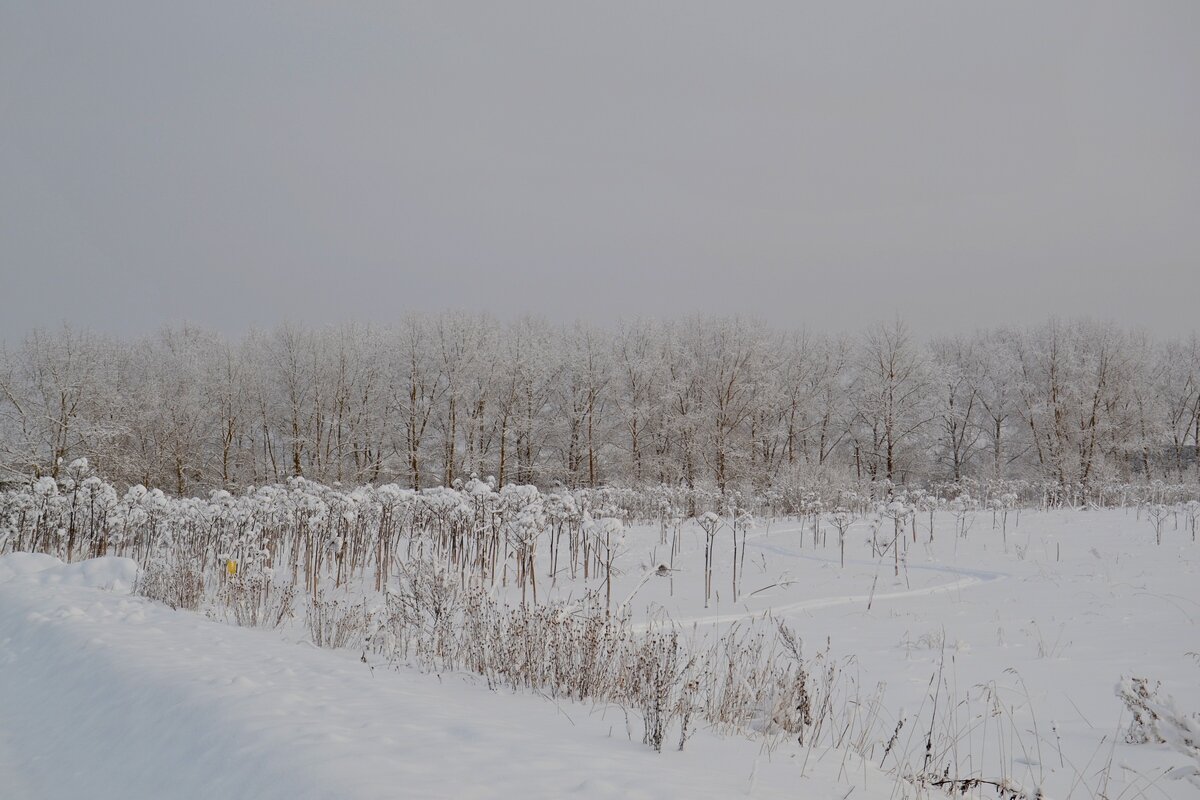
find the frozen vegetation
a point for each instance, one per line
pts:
(717, 403)
(303, 640)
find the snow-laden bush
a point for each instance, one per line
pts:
(1156, 719)
(177, 582)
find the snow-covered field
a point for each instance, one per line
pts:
(1006, 645)
(103, 695)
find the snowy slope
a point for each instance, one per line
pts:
(103, 695)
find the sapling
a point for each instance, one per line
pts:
(897, 512)
(709, 522)
(742, 521)
(961, 506)
(610, 540)
(842, 519)
(1157, 514)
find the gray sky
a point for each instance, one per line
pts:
(235, 164)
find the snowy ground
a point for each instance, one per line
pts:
(1045, 618)
(106, 695)
(109, 696)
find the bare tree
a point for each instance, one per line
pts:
(890, 399)
(956, 404)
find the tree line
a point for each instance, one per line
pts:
(706, 401)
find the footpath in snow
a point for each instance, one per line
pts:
(106, 695)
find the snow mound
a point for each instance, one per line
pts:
(108, 572)
(15, 565)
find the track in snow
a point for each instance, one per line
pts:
(968, 578)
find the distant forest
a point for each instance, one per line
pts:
(725, 403)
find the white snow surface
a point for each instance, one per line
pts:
(106, 695)
(109, 572)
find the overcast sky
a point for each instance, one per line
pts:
(236, 164)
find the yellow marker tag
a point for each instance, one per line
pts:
(231, 568)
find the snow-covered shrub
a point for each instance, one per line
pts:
(663, 687)
(421, 614)
(254, 600)
(336, 622)
(1157, 719)
(177, 582)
